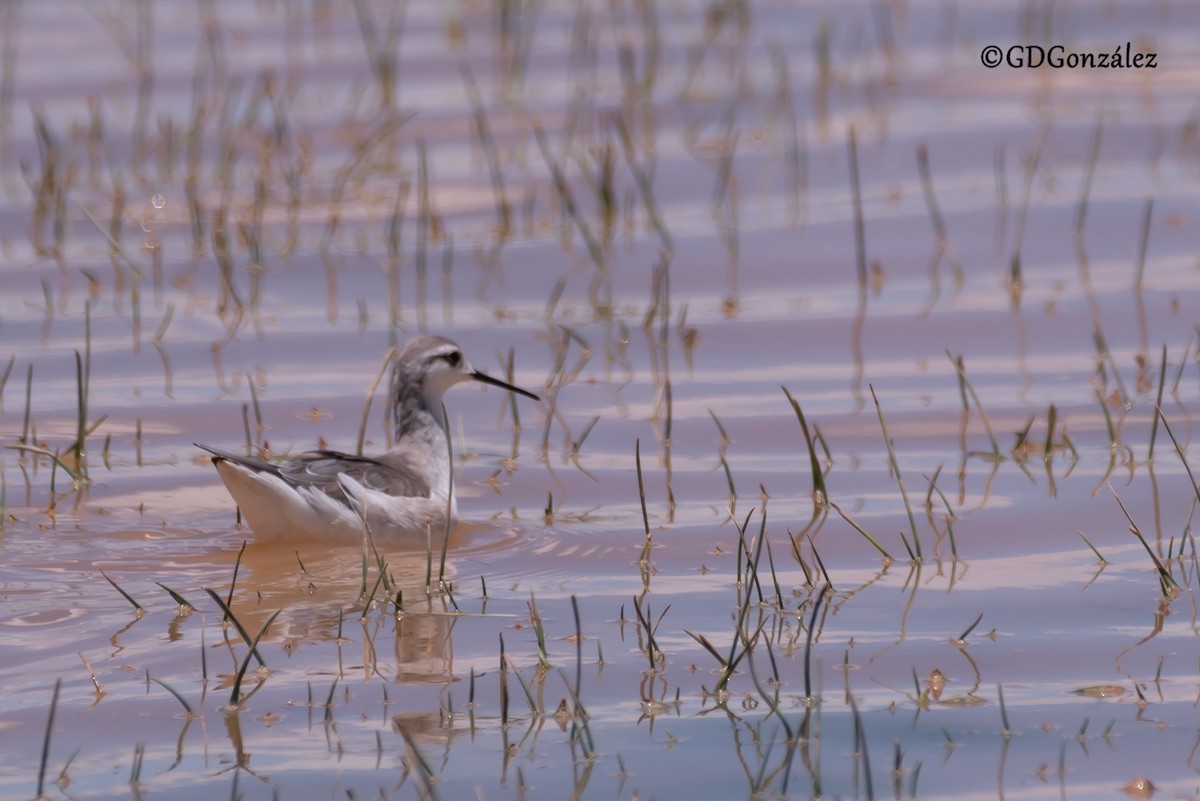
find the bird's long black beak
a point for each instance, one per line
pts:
(496, 382)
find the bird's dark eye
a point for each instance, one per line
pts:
(453, 358)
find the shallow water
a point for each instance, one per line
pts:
(367, 694)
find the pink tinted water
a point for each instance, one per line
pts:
(761, 292)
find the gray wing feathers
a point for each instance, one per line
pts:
(319, 470)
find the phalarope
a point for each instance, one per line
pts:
(403, 495)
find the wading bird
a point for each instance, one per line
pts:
(402, 496)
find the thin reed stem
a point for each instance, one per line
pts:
(912, 521)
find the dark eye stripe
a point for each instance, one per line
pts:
(453, 358)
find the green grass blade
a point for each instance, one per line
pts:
(140, 609)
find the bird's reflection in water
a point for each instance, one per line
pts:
(318, 590)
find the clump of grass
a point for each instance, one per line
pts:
(563, 191)
(369, 598)
(534, 705)
(774, 577)
(183, 701)
(139, 610)
(49, 187)
(965, 387)
(1179, 450)
(950, 516)
(237, 566)
(577, 444)
(961, 640)
(942, 244)
(887, 440)
(743, 640)
(643, 178)
(821, 565)
(728, 475)
(637, 453)
(654, 654)
(488, 144)
(1162, 376)
(539, 631)
(1051, 421)
(56, 460)
(4, 378)
(237, 624)
(503, 674)
(236, 694)
(1031, 164)
(184, 604)
(1114, 441)
(1104, 355)
(1166, 581)
(883, 551)
(819, 492)
(1103, 561)
(381, 40)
